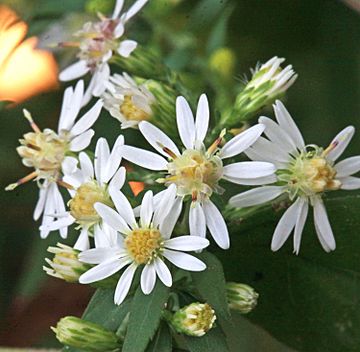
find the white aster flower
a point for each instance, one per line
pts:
(97, 43)
(145, 243)
(127, 101)
(196, 171)
(88, 185)
(305, 173)
(48, 152)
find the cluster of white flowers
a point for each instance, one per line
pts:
(144, 237)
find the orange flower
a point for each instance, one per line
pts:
(24, 70)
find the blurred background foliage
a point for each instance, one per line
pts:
(217, 40)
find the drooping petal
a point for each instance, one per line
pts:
(197, 222)
(146, 209)
(340, 142)
(288, 124)
(63, 221)
(123, 206)
(112, 218)
(40, 203)
(347, 167)
(187, 243)
(123, 286)
(256, 196)
(126, 47)
(216, 225)
(184, 261)
(143, 158)
(323, 226)
(76, 70)
(163, 272)
(300, 223)
(249, 169)
(148, 278)
(185, 122)
(285, 225)
(88, 119)
(202, 118)
(82, 243)
(241, 142)
(82, 141)
(157, 138)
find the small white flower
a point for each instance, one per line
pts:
(97, 43)
(89, 185)
(145, 243)
(47, 152)
(305, 173)
(197, 171)
(127, 101)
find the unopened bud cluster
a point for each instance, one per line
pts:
(241, 297)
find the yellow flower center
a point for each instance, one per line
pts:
(82, 204)
(131, 111)
(144, 245)
(44, 151)
(195, 173)
(311, 173)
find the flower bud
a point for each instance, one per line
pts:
(65, 264)
(268, 83)
(195, 319)
(85, 335)
(241, 297)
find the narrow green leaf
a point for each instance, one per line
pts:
(210, 284)
(213, 340)
(145, 317)
(162, 341)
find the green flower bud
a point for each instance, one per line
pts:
(268, 83)
(65, 264)
(195, 319)
(241, 297)
(85, 335)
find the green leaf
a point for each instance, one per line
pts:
(145, 317)
(213, 340)
(309, 301)
(210, 283)
(103, 311)
(162, 342)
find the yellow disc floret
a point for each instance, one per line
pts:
(144, 245)
(131, 111)
(82, 204)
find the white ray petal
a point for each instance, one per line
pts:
(65, 119)
(123, 206)
(163, 202)
(340, 142)
(197, 222)
(184, 261)
(112, 218)
(119, 178)
(167, 225)
(82, 141)
(163, 272)
(323, 227)
(143, 158)
(75, 70)
(202, 118)
(256, 196)
(285, 225)
(156, 138)
(300, 223)
(185, 122)
(114, 160)
(123, 286)
(86, 166)
(69, 164)
(252, 181)
(249, 169)
(148, 278)
(134, 9)
(102, 154)
(241, 142)
(187, 243)
(126, 47)
(86, 121)
(288, 124)
(350, 183)
(98, 255)
(118, 7)
(347, 166)
(39, 208)
(146, 209)
(82, 243)
(63, 221)
(216, 225)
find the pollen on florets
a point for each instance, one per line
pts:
(144, 245)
